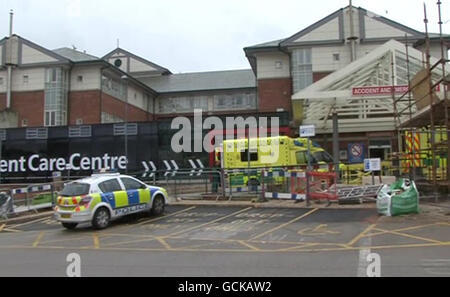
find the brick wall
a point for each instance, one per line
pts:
(275, 93)
(319, 75)
(116, 107)
(84, 105)
(88, 105)
(28, 105)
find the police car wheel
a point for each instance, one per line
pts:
(70, 226)
(101, 218)
(158, 206)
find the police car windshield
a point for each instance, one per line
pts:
(322, 157)
(75, 189)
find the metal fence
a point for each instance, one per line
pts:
(292, 183)
(21, 198)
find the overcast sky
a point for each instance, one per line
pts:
(188, 36)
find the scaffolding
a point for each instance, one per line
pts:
(425, 120)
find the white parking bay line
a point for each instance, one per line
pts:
(362, 260)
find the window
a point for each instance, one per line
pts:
(111, 185)
(114, 87)
(2, 134)
(235, 101)
(56, 93)
(336, 57)
(53, 75)
(253, 156)
(301, 68)
(75, 189)
(80, 78)
(24, 122)
(1, 81)
(109, 118)
(131, 184)
(278, 65)
(119, 129)
(182, 104)
(301, 157)
(50, 118)
(322, 156)
(80, 131)
(36, 133)
(25, 79)
(79, 122)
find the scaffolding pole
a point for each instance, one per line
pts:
(435, 125)
(430, 93)
(445, 86)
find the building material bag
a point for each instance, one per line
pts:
(399, 198)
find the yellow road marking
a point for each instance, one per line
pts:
(297, 247)
(191, 246)
(249, 245)
(38, 239)
(96, 240)
(207, 223)
(236, 250)
(404, 229)
(360, 235)
(129, 241)
(30, 222)
(410, 236)
(66, 239)
(167, 216)
(164, 243)
(1, 227)
(285, 224)
(319, 230)
(128, 235)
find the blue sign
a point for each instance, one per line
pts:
(367, 165)
(356, 152)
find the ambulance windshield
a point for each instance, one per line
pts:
(322, 156)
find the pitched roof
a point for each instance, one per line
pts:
(414, 34)
(140, 59)
(269, 44)
(43, 50)
(74, 55)
(202, 81)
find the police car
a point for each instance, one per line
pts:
(101, 198)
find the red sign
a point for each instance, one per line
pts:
(384, 90)
(438, 88)
(381, 90)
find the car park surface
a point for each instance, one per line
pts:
(206, 240)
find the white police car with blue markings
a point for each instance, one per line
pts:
(104, 197)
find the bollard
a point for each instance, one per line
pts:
(222, 182)
(263, 198)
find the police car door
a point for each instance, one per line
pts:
(113, 194)
(137, 192)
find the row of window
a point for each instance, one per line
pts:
(112, 185)
(114, 87)
(108, 118)
(76, 131)
(186, 104)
